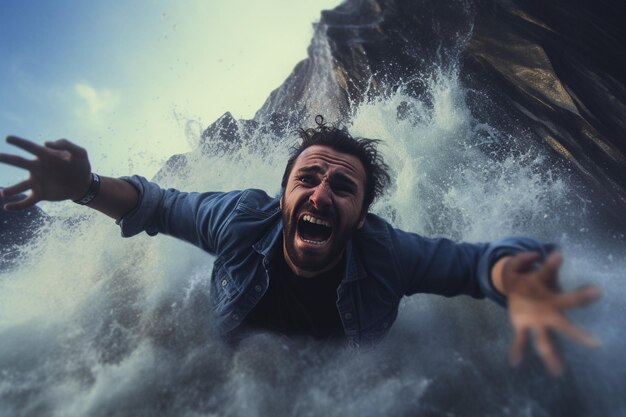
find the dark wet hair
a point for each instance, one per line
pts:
(376, 175)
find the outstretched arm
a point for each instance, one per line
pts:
(61, 171)
(536, 305)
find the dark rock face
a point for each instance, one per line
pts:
(232, 132)
(555, 68)
(560, 68)
(17, 228)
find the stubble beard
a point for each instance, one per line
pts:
(313, 262)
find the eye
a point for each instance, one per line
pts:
(306, 179)
(343, 189)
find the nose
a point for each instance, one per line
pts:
(321, 197)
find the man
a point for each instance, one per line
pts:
(314, 261)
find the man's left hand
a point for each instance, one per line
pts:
(536, 305)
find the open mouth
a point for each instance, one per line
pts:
(314, 230)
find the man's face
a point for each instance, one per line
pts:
(322, 206)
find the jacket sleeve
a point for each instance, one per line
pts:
(444, 267)
(197, 218)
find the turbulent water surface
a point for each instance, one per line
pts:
(95, 325)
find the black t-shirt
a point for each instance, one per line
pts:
(295, 305)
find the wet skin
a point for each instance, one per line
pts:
(327, 188)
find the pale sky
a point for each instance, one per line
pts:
(126, 80)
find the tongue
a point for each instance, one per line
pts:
(315, 232)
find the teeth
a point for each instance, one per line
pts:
(311, 219)
(315, 242)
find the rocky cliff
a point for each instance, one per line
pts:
(556, 69)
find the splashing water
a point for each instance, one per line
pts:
(95, 325)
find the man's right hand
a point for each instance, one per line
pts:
(60, 171)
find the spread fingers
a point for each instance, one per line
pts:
(27, 145)
(523, 261)
(16, 161)
(568, 329)
(518, 346)
(546, 350)
(549, 269)
(15, 189)
(27, 202)
(577, 298)
(66, 145)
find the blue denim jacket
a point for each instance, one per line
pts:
(383, 264)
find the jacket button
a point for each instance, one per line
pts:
(235, 316)
(258, 288)
(224, 282)
(348, 316)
